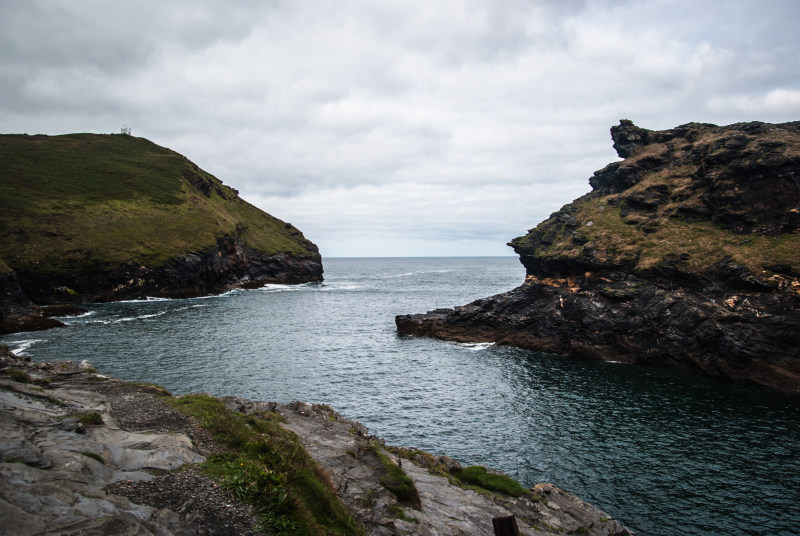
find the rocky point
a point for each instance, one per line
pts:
(686, 253)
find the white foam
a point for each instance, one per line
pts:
(24, 345)
(474, 346)
(277, 287)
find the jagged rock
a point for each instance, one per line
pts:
(691, 259)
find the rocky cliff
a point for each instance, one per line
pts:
(87, 217)
(686, 252)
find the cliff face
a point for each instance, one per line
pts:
(88, 217)
(687, 252)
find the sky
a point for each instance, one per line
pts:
(396, 128)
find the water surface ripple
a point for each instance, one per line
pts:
(664, 452)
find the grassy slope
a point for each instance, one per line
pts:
(616, 239)
(93, 201)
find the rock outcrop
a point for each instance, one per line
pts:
(84, 453)
(87, 217)
(687, 253)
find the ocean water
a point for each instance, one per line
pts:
(665, 452)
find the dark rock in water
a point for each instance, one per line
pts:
(17, 313)
(686, 253)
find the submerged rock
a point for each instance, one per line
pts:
(685, 253)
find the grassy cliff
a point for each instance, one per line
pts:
(90, 201)
(696, 194)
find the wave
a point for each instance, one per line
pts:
(24, 345)
(474, 346)
(146, 316)
(413, 273)
(278, 287)
(146, 299)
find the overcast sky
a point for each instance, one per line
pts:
(396, 128)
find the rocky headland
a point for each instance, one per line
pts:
(85, 453)
(685, 253)
(89, 217)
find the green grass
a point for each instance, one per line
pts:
(395, 479)
(94, 456)
(479, 476)
(89, 201)
(266, 466)
(91, 418)
(18, 375)
(644, 239)
(702, 244)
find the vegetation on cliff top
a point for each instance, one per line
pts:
(92, 201)
(697, 194)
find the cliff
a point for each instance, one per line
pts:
(88, 217)
(84, 453)
(686, 253)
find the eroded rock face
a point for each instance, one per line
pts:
(231, 264)
(54, 467)
(685, 253)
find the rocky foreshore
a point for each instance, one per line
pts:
(85, 453)
(686, 253)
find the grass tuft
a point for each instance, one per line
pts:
(94, 456)
(268, 467)
(91, 418)
(18, 375)
(478, 475)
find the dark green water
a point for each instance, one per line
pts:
(665, 452)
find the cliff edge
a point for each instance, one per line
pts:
(686, 252)
(91, 217)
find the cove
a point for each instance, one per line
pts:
(663, 451)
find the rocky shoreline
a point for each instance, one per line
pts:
(684, 254)
(24, 297)
(85, 453)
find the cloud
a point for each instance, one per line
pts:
(459, 123)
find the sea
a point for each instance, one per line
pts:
(663, 451)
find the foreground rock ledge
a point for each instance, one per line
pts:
(60, 476)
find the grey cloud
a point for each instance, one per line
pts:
(334, 114)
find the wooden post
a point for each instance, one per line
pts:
(505, 526)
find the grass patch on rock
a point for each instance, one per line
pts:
(94, 456)
(91, 418)
(18, 375)
(267, 466)
(395, 479)
(480, 476)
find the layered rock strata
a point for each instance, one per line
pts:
(686, 253)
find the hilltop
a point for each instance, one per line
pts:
(686, 253)
(93, 217)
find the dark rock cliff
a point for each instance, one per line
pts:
(686, 253)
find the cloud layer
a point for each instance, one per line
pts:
(390, 128)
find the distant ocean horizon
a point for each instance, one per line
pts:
(663, 451)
